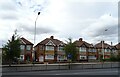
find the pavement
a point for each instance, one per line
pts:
(113, 71)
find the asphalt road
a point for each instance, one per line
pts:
(113, 71)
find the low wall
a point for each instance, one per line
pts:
(72, 66)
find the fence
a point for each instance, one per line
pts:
(65, 66)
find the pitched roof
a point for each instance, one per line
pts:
(55, 41)
(105, 45)
(25, 41)
(117, 46)
(80, 42)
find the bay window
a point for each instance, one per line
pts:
(82, 49)
(50, 48)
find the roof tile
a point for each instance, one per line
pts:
(25, 41)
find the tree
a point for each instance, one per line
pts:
(70, 49)
(11, 50)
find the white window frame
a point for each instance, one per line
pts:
(49, 48)
(82, 49)
(107, 50)
(21, 58)
(28, 47)
(92, 50)
(81, 57)
(92, 57)
(61, 57)
(41, 58)
(49, 56)
(60, 48)
(22, 47)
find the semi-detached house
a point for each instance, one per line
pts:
(104, 49)
(118, 49)
(50, 50)
(86, 51)
(26, 50)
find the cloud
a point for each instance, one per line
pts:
(104, 22)
(31, 29)
(8, 10)
(61, 18)
(96, 31)
(34, 5)
(9, 16)
(8, 5)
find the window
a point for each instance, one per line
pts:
(60, 48)
(92, 50)
(113, 50)
(41, 58)
(91, 57)
(49, 47)
(61, 57)
(83, 57)
(21, 57)
(107, 50)
(49, 56)
(28, 47)
(82, 49)
(41, 47)
(22, 47)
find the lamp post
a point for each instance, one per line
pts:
(103, 46)
(35, 27)
(35, 33)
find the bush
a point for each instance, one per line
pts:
(114, 58)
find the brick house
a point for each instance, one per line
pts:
(86, 51)
(117, 49)
(26, 50)
(104, 48)
(50, 50)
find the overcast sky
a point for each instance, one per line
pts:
(87, 19)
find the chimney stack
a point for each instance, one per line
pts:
(103, 41)
(80, 39)
(52, 37)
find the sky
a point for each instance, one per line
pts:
(92, 20)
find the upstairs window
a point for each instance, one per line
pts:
(22, 47)
(41, 47)
(50, 48)
(107, 50)
(82, 49)
(92, 50)
(28, 47)
(60, 48)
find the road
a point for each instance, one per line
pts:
(113, 71)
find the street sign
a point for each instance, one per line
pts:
(69, 56)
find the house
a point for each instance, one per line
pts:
(86, 50)
(26, 50)
(104, 50)
(50, 50)
(117, 49)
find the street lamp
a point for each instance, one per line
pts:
(103, 42)
(35, 27)
(35, 33)
(103, 46)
